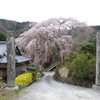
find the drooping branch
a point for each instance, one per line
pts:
(50, 41)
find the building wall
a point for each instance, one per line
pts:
(3, 73)
(3, 65)
(21, 68)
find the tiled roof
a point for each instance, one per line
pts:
(2, 48)
(18, 59)
(3, 54)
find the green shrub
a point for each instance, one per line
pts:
(2, 37)
(88, 46)
(33, 67)
(70, 58)
(82, 65)
(39, 75)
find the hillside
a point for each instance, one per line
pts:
(97, 27)
(17, 27)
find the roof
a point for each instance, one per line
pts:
(18, 59)
(2, 48)
(3, 54)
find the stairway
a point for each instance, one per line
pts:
(53, 66)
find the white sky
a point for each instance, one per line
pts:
(38, 10)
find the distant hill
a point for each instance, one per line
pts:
(97, 27)
(16, 27)
(20, 27)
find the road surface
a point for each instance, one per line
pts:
(47, 88)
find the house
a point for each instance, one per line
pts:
(21, 61)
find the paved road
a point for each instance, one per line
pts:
(48, 89)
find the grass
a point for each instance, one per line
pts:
(8, 95)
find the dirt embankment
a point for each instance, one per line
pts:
(62, 75)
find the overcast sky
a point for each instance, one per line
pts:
(38, 10)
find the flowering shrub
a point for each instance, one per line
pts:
(25, 78)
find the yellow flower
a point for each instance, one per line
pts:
(25, 78)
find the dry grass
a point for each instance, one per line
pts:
(63, 71)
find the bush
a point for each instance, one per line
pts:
(39, 75)
(88, 46)
(82, 66)
(32, 67)
(25, 78)
(70, 58)
(2, 37)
